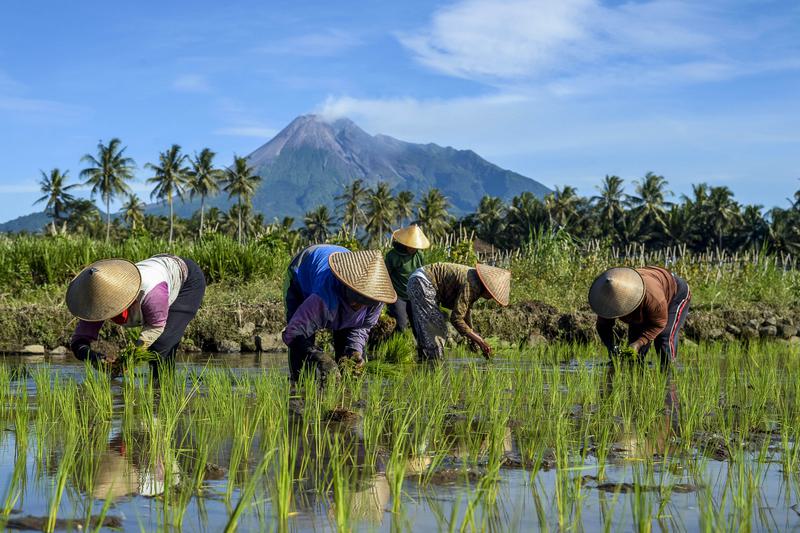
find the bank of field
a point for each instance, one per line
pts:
(746, 296)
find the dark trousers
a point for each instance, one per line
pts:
(401, 312)
(304, 350)
(666, 343)
(181, 312)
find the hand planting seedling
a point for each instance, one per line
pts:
(628, 352)
(130, 356)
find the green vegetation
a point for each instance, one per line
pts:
(709, 218)
(551, 268)
(521, 443)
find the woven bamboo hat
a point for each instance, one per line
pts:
(103, 289)
(412, 236)
(616, 292)
(497, 281)
(364, 272)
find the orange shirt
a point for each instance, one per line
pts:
(651, 315)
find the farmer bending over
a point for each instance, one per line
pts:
(455, 287)
(652, 301)
(330, 287)
(401, 261)
(161, 294)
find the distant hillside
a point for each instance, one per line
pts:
(32, 223)
(311, 160)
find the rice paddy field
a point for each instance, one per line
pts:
(546, 438)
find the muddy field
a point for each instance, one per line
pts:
(549, 437)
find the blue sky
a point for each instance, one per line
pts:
(563, 91)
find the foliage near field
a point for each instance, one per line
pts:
(553, 268)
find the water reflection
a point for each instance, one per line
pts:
(123, 471)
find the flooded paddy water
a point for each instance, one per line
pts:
(550, 438)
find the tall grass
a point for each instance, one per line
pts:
(551, 267)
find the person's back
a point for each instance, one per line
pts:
(451, 279)
(313, 273)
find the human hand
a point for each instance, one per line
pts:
(485, 348)
(629, 351)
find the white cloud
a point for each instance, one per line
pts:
(321, 44)
(191, 83)
(248, 131)
(502, 41)
(528, 127)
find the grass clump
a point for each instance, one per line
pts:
(400, 348)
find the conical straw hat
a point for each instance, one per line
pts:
(103, 289)
(364, 272)
(497, 281)
(412, 236)
(616, 292)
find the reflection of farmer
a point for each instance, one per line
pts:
(455, 287)
(652, 301)
(330, 287)
(401, 261)
(161, 294)
(121, 473)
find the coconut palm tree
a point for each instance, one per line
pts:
(753, 229)
(108, 173)
(784, 230)
(83, 217)
(723, 211)
(351, 204)
(380, 212)
(563, 207)
(403, 207)
(432, 213)
(490, 218)
(171, 177)
(214, 219)
(649, 205)
(241, 214)
(609, 204)
(133, 212)
(54, 189)
(317, 224)
(526, 216)
(204, 180)
(240, 181)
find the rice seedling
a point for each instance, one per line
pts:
(540, 439)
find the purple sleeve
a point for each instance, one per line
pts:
(86, 331)
(311, 316)
(357, 337)
(155, 305)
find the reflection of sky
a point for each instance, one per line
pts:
(515, 509)
(564, 92)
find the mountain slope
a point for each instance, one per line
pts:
(310, 161)
(32, 223)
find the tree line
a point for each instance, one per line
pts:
(708, 217)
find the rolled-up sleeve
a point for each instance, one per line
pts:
(357, 337)
(310, 317)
